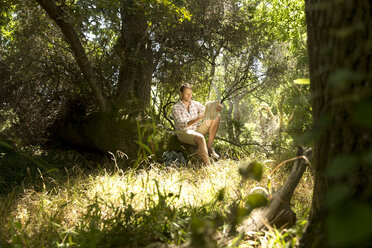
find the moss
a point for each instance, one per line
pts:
(169, 142)
(109, 132)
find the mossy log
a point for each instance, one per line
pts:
(279, 213)
(170, 142)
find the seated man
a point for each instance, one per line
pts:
(187, 113)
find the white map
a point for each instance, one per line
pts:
(211, 110)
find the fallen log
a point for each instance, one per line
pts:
(279, 213)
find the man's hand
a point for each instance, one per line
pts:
(200, 116)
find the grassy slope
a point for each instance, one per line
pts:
(151, 207)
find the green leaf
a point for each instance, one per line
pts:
(252, 170)
(337, 194)
(362, 113)
(144, 146)
(302, 81)
(342, 78)
(349, 224)
(6, 145)
(240, 214)
(340, 166)
(256, 200)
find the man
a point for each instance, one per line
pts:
(187, 114)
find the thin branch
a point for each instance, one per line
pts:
(289, 160)
(244, 144)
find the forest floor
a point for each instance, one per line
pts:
(156, 206)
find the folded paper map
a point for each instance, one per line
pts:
(211, 110)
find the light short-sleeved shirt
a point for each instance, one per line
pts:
(181, 115)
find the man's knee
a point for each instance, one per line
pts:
(199, 138)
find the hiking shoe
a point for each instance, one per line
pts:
(213, 153)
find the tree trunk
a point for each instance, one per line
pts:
(111, 129)
(339, 41)
(136, 57)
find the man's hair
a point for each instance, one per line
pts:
(185, 86)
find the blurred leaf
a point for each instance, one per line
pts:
(221, 195)
(343, 77)
(349, 225)
(341, 166)
(240, 214)
(197, 225)
(337, 194)
(302, 81)
(349, 30)
(202, 231)
(367, 158)
(252, 170)
(6, 145)
(362, 113)
(256, 200)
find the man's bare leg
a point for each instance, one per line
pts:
(202, 148)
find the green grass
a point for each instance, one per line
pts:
(153, 207)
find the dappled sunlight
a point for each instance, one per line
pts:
(104, 196)
(191, 187)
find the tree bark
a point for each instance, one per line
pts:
(106, 130)
(339, 38)
(56, 13)
(136, 56)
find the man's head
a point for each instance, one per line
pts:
(186, 92)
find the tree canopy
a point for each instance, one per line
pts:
(70, 59)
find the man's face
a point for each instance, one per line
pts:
(186, 95)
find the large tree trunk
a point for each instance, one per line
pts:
(112, 128)
(339, 40)
(136, 57)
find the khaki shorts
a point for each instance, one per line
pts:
(188, 136)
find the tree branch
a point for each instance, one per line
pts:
(244, 144)
(56, 13)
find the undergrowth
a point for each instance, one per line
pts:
(156, 206)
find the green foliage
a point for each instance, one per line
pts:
(361, 113)
(349, 224)
(348, 218)
(7, 7)
(18, 167)
(224, 48)
(251, 170)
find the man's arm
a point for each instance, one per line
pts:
(201, 112)
(189, 123)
